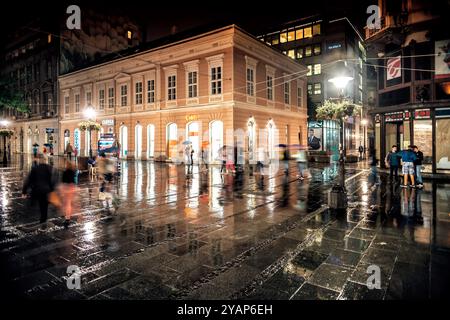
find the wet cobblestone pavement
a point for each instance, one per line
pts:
(208, 236)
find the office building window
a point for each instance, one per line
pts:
(291, 35)
(299, 34)
(317, 49)
(171, 87)
(192, 84)
(250, 81)
(216, 80)
(101, 99)
(77, 102)
(138, 93)
(151, 91)
(309, 73)
(299, 53)
(123, 95)
(66, 105)
(275, 39)
(307, 32)
(291, 54)
(308, 51)
(110, 98)
(283, 37)
(269, 87)
(317, 68)
(317, 88)
(310, 89)
(316, 29)
(287, 92)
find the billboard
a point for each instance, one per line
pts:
(393, 68)
(107, 143)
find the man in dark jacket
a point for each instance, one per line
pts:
(418, 164)
(392, 161)
(40, 182)
(408, 158)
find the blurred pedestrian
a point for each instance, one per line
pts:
(418, 166)
(69, 151)
(286, 160)
(302, 163)
(68, 191)
(41, 184)
(223, 159)
(204, 159)
(361, 151)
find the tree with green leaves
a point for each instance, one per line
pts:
(11, 98)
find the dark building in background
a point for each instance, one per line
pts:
(36, 53)
(318, 42)
(411, 53)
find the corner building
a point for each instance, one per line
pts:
(197, 89)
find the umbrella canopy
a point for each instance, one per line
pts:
(47, 145)
(187, 142)
(281, 145)
(35, 145)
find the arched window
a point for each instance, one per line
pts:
(172, 140)
(138, 141)
(251, 132)
(215, 138)
(123, 141)
(193, 135)
(271, 138)
(150, 141)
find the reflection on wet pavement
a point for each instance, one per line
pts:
(178, 234)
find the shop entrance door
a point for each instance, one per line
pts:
(395, 135)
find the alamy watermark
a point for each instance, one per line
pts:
(374, 20)
(73, 22)
(374, 280)
(73, 277)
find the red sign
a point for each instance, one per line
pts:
(422, 114)
(393, 117)
(393, 69)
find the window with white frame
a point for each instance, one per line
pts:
(310, 70)
(250, 81)
(151, 91)
(287, 92)
(317, 68)
(216, 80)
(88, 98)
(66, 105)
(192, 84)
(138, 92)
(317, 88)
(110, 98)
(269, 80)
(172, 87)
(299, 96)
(101, 99)
(77, 102)
(124, 95)
(310, 89)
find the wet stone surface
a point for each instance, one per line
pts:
(210, 236)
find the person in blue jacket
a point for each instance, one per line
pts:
(408, 158)
(392, 161)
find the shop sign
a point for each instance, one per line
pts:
(333, 46)
(393, 117)
(407, 115)
(107, 122)
(443, 113)
(191, 117)
(422, 114)
(314, 124)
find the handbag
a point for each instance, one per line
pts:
(54, 199)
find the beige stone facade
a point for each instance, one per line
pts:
(204, 86)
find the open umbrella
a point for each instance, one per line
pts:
(35, 145)
(281, 145)
(187, 142)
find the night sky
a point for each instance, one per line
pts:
(254, 16)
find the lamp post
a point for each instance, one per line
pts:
(90, 113)
(4, 124)
(337, 198)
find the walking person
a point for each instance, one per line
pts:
(223, 158)
(69, 151)
(392, 161)
(35, 150)
(418, 166)
(68, 191)
(302, 163)
(261, 160)
(286, 160)
(408, 158)
(360, 150)
(41, 184)
(204, 159)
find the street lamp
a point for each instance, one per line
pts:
(90, 114)
(337, 198)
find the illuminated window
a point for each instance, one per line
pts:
(308, 51)
(299, 54)
(275, 39)
(316, 29)
(310, 89)
(291, 35)
(49, 38)
(291, 54)
(129, 35)
(216, 80)
(283, 37)
(317, 88)
(317, 49)
(309, 70)
(307, 32)
(317, 68)
(299, 34)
